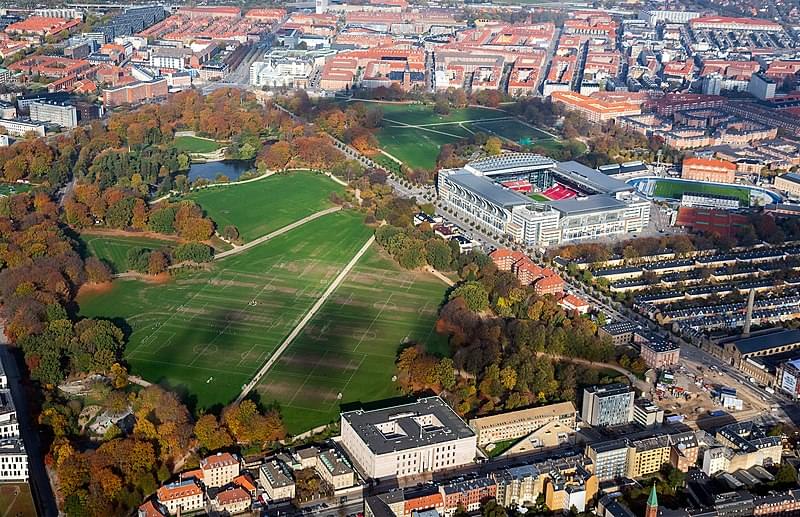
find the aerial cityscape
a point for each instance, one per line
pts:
(400, 258)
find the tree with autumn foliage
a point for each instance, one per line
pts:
(249, 426)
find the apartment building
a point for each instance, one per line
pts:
(593, 109)
(516, 424)
(467, 495)
(607, 405)
(335, 469)
(705, 169)
(232, 501)
(63, 114)
(610, 459)
(648, 455)
(660, 354)
(181, 496)
(21, 128)
(620, 333)
(647, 414)
(220, 469)
(789, 183)
(277, 480)
(422, 437)
(135, 92)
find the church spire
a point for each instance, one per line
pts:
(652, 503)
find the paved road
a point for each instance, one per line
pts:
(40, 483)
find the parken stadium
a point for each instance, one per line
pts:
(538, 202)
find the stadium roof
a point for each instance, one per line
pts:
(425, 422)
(508, 162)
(578, 205)
(488, 189)
(591, 178)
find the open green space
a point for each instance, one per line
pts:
(502, 446)
(260, 207)
(193, 144)
(538, 197)
(113, 250)
(350, 346)
(512, 130)
(205, 333)
(676, 189)
(16, 499)
(8, 189)
(416, 147)
(418, 114)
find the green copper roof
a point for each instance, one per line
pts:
(653, 499)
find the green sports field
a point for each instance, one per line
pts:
(260, 207)
(16, 499)
(114, 250)
(421, 114)
(513, 130)
(206, 333)
(350, 346)
(676, 189)
(192, 144)
(418, 148)
(538, 197)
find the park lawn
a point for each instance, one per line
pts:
(206, 333)
(260, 207)
(8, 189)
(420, 114)
(350, 345)
(676, 189)
(19, 504)
(416, 147)
(193, 144)
(512, 130)
(113, 250)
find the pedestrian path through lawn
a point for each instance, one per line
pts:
(260, 207)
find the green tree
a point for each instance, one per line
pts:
(473, 294)
(445, 373)
(438, 254)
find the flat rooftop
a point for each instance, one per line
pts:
(589, 204)
(425, 422)
(591, 178)
(488, 189)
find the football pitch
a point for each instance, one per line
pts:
(206, 333)
(350, 346)
(260, 207)
(674, 189)
(114, 250)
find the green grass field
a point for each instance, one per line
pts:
(7, 189)
(350, 346)
(114, 250)
(513, 130)
(420, 114)
(192, 144)
(675, 189)
(418, 148)
(206, 333)
(260, 207)
(538, 197)
(16, 499)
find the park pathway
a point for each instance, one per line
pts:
(280, 231)
(303, 322)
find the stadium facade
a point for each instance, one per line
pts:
(493, 194)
